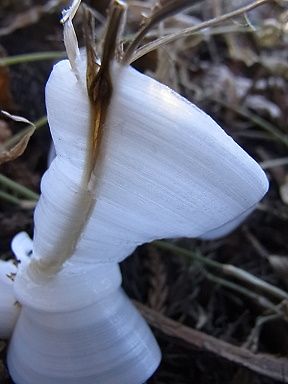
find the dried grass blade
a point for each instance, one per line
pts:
(191, 30)
(159, 14)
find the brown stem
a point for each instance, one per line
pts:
(99, 84)
(270, 366)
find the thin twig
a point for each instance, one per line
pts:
(189, 31)
(253, 338)
(155, 33)
(188, 254)
(228, 270)
(265, 364)
(247, 277)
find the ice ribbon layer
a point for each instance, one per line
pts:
(166, 168)
(9, 310)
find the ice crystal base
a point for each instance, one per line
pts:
(105, 343)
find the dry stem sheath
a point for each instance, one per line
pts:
(99, 84)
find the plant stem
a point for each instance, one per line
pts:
(159, 14)
(253, 338)
(13, 185)
(189, 31)
(244, 291)
(30, 57)
(188, 254)
(10, 198)
(212, 32)
(228, 270)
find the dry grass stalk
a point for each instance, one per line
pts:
(264, 364)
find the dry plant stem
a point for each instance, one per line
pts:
(267, 365)
(69, 36)
(9, 198)
(228, 270)
(31, 57)
(254, 134)
(231, 270)
(189, 31)
(253, 338)
(157, 16)
(99, 96)
(99, 82)
(261, 300)
(212, 32)
(18, 188)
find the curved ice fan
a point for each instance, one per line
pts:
(168, 169)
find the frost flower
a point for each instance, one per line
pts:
(134, 162)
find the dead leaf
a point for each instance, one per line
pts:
(9, 154)
(19, 119)
(12, 151)
(242, 49)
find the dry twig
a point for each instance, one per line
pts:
(264, 364)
